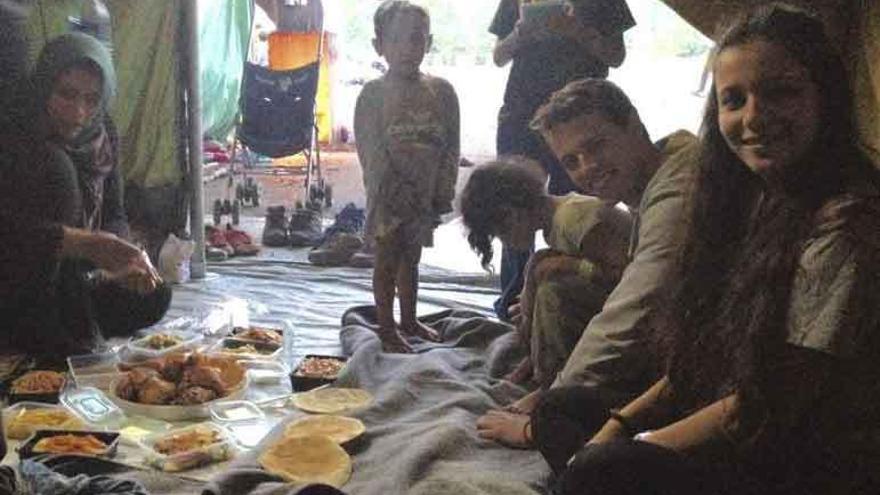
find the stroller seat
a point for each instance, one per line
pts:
(277, 109)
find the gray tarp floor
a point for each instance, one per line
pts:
(280, 285)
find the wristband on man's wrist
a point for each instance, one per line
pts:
(625, 422)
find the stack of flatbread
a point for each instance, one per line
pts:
(310, 449)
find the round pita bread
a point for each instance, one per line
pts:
(340, 429)
(310, 459)
(332, 400)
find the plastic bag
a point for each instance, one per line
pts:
(174, 259)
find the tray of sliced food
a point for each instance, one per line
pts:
(24, 418)
(78, 442)
(178, 386)
(266, 335)
(161, 343)
(246, 349)
(190, 447)
(315, 370)
(37, 386)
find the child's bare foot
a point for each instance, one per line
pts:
(419, 329)
(526, 404)
(521, 373)
(392, 341)
(504, 427)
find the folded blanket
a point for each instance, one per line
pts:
(421, 436)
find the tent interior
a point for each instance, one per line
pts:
(279, 289)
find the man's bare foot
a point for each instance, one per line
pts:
(419, 329)
(504, 427)
(521, 373)
(392, 341)
(526, 404)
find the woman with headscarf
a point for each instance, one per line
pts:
(67, 276)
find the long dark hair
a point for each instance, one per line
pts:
(729, 318)
(491, 192)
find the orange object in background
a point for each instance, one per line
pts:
(292, 50)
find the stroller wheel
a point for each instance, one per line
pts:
(217, 211)
(236, 212)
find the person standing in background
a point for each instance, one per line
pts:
(550, 43)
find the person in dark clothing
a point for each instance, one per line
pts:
(771, 341)
(13, 50)
(547, 53)
(67, 276)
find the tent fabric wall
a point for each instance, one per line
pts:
(144, 36)
(224, 37)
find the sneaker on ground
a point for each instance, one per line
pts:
(305, 227)
(337, 250)
(241, 242)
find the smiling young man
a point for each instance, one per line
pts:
(598, 137)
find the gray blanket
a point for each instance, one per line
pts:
(421, 436)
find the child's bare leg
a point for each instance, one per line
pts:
(384, 274)
(408, 291)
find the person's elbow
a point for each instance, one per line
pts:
(499, 58)
(615, 53)
(616, 57)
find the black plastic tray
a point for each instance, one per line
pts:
(262, 348)
(302, 383)
(26, 449)
(48, 398)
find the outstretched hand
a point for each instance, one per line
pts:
(504, 427)
(123, 262)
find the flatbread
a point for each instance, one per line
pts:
(311, 459)
(332, 400)
(340, 429)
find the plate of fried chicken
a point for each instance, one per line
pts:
(178, 386)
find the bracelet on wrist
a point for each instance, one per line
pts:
(625, 422)
(525, 432)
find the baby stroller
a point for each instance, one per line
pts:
(277, 109)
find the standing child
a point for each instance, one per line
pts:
(407, 129)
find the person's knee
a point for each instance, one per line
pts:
(626, 467)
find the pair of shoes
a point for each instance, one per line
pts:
(229, 242)
(275, 230)
(336, 250)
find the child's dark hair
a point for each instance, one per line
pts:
(583, 97)
(491, 191)
(392, 8)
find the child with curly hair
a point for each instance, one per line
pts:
(587, 238)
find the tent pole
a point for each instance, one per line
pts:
(194, 139)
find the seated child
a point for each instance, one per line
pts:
(566, 284)
(407, 128)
